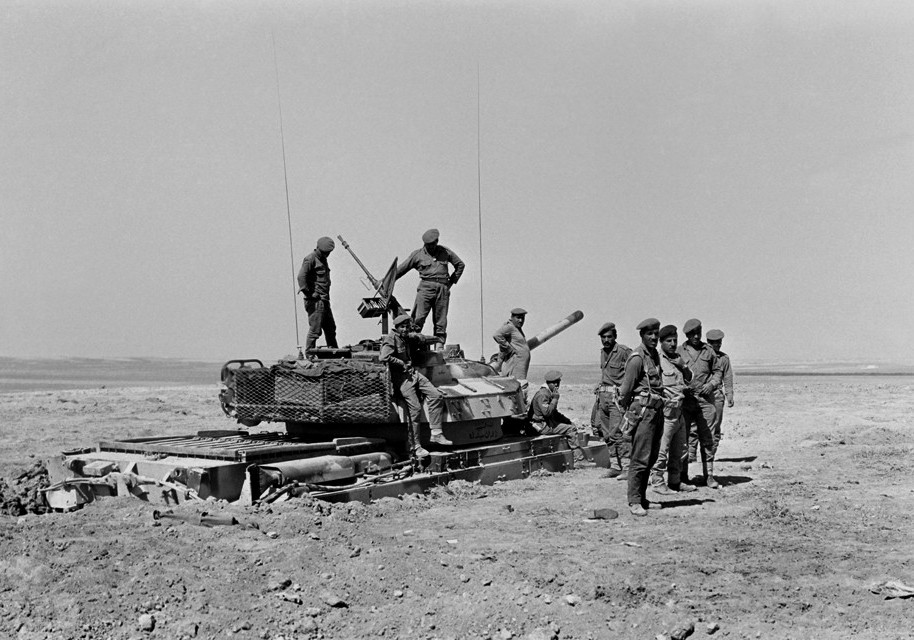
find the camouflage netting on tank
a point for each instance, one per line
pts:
(321, 391)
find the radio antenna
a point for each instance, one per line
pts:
(482, 343)
(285, 175)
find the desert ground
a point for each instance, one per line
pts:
(817, 507)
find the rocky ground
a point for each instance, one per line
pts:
(817, 507)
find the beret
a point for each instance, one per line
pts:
(649, 323)
(517, 311)
(400, 319)
(553, 375)
(691, 325)
(430, 236)
(715, 334)
(667, 331)
(325, 244)
(609, 326)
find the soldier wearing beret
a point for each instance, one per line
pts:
(514, 353)
(546, 419)
(715, 338)
(607, 413)
(698, 406)
(396, 351)
(667, 471)
(314, 284)
(434, 292)
(640, 395)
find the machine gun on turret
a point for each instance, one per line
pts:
(383, 300)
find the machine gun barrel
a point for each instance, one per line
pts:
(555, 329)
(374, 281)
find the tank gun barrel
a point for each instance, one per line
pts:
(558, 327)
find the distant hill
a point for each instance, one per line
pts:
(48, 374)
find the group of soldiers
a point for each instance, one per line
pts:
(657, 409)
(660, 409)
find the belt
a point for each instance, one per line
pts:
(607, 387)
(440, 280)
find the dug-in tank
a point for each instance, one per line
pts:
(346, 392)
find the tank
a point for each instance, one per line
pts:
(346, 392)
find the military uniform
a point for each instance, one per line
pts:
(410, 384)
(673, 454)
(544, 416)
(515, 354)
(698, 406)
(314, 284)
(434, 292)
(640, 396)
(612, 367)
(725, 391)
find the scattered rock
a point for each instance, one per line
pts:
(356, 552)
(712, 628)
(464, 577)
(306, 625)
(504, 634)
(278, 583)
(146, 622)
(603, 514)
(541, 633)
(332, 600)
(572, 600)
(312, 611)
(683, 631)
(398, 594)
(272, 535)
(290, 597)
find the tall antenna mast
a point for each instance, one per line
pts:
(482, 339)
(285, 176)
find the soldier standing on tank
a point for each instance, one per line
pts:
(314, 284)
(613, 357)
(725, 391)
(512, 345)
(641, 397)
(412, 385)
(698, 405)
(434, 292)
(547, 420)
(666, 475)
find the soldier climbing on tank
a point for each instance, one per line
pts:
(314, 283)
(412, 385)
(434, 292)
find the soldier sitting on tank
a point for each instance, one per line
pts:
(412, 386)
(547, 420)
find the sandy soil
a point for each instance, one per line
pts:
(817, 506)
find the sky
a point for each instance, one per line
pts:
(746, 163)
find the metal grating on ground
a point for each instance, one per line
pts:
(239, 448)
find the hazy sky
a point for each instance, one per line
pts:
(747, 163)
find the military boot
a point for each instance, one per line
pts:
(710, 481)
(623, 473)
(439, 439)
(418, 450)
(658, 485)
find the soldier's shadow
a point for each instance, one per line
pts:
(684, 502)
(729, 481)
(737, 459)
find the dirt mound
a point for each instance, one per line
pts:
(21, 494)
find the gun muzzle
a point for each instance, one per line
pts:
(555, 329)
